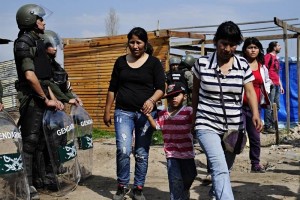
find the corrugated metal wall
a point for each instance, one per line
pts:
(8, 76)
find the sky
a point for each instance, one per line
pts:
(86, 18)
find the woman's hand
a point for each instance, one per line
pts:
(107, 119)
(148, 106)
(257, 123)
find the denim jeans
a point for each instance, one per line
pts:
(125, 123)
(274, 98)
(219, 163)
(253, 135)
(181, 175)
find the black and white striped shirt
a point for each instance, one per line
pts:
(209, 110)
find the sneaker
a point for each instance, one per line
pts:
(121, 192)
(138, 193)
(257, 169)
(34, 195)
(269, 130)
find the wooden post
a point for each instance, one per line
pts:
(202, 49)
(275, 118)
(287, 77)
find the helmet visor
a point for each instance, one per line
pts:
(52, 39)
(55, 41)
(41, 11)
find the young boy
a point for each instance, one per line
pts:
(176, 123)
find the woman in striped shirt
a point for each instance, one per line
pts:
(235, 78)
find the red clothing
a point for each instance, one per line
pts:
(176, 130)
(273, 68)
(257, 83)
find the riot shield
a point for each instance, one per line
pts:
(5, 115)
(83, 139)
(59, 135)
(13, 180)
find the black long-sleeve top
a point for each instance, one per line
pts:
(133, 86)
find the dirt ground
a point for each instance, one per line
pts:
(281, 181)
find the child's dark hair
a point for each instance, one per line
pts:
(140, 33)
(256, 42)
(228, 31)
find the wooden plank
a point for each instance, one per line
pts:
(282, 23)
(169, 33)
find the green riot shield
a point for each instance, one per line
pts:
(59, 134)
(13, 180)
(83, 139)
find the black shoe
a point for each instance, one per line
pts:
(257, 169)
(269, 131)
(138, 193)
(121, 192)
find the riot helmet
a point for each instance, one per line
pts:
(175, 61)
(28, 14)
(187, 61)
(52, 39)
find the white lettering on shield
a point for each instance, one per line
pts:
(63, 131)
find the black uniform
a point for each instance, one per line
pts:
(30, 54)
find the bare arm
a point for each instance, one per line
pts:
(281, 88)
(109, 102)
(195, 97)
(252, 101)
(151, 120)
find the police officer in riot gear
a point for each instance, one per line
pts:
(33, 68)
(174, 74)
(185, 66)
(59, 83)
(180, 71)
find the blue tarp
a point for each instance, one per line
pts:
(282, 116)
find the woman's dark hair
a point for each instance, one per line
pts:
(149, 49)
(140, 33)
(256, 42)
(228, 31)
(271, 46)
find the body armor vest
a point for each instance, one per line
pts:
(41, 63)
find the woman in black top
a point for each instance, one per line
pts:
(137, 82)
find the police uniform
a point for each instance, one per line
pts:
(30, 55)
(58, 83)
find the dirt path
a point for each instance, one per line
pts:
(280, 182)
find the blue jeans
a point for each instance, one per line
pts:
(219, 163)
(274, 98)
(125, 123)
(181, 175)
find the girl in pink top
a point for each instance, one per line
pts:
(176, 123)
